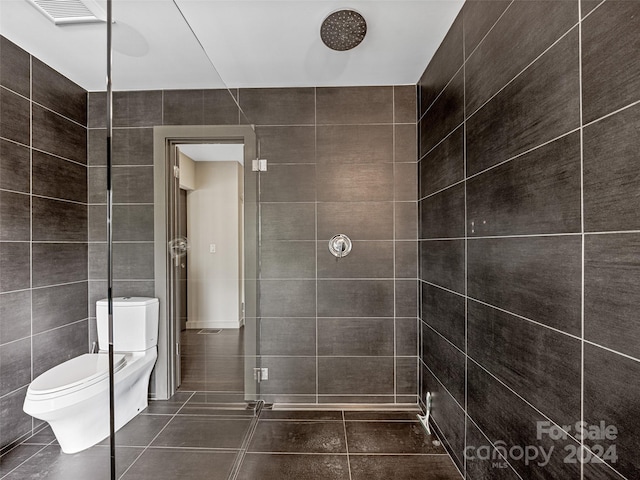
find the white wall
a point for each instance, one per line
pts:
(187, 172)
(214, 217)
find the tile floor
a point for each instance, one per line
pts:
(212, 435)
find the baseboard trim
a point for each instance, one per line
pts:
(197, 325)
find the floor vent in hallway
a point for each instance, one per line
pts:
(209, 331)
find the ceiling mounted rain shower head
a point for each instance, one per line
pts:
(343, 30)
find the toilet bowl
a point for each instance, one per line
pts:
(73, 397)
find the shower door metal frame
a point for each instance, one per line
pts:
(163, 381)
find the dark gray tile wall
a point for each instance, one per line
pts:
(341, 160)
(43, 229)
(528, 237)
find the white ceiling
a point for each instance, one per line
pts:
(252, 43)
(214, 152)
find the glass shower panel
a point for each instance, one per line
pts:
(176, 129)
(50, 61)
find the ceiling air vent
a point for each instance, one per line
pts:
(64, 12)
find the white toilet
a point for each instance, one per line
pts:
(73, 397)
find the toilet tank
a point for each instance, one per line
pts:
(135, 323)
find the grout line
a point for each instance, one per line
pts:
(466, 242)
(157, 435)
(317, 244)
(582, 243)
(346, 443)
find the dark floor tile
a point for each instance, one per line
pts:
(51, 464)
(140, 431)
(611, 292)
(168, 407)
(325, 415)
(610, 397)
(541, 365)
(525, 31)
(405, 467)
(15, 164)
(354, 105)
(298, 437)
(202, 432)
(44, 436)
(58, 93)
(536, 193)
(611, 183)
(287, 144)
(293, 467)
(16, 456)
(442, 263)
(15, 67)
(536, 277)
(541, 104)
(185, 464)
(442, 67)
(278, 106)
(610, 67)
(390, 437)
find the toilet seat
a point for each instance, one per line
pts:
(75, 374)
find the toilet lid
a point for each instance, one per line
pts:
(87, 368)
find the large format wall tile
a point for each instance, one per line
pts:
(445, 361)
(16, 307)
(295, 144)
(340, 144)
(355, 183)
(55, 134)
(542, 365)
(443, 66)
(355, 337)
(358, 220)
(288, 336)
(479, 18)
(15, 217)
(45, 167)
(611, 291)
(15, 69)
(610, 65)
(288, 259)
(442, 214)
(14, 166)
(355, 375)
(444, 165)
(370, 259)
(289, 183)
(14, 117)
(15, 266)
(274, 106)
(354, 105)
(442, 262)
(351, 298)
(58, 306)
(288, 298)
(540, 105)
(536, 277)
(56, 346)
(611, 179)
(610, 396)
(404, 104)
(288, 221)
(536, 193)
(289, 375)
(57, 221)
(15, 358)
(524, 31)
(136, 109)
(444, 312)
(58, 93)
(55, 263)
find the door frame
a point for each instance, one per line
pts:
(163, 383)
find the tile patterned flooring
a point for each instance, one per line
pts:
(198, 435)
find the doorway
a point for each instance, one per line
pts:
(176, 259)
(211, 294)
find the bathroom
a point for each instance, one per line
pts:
(489, 194)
